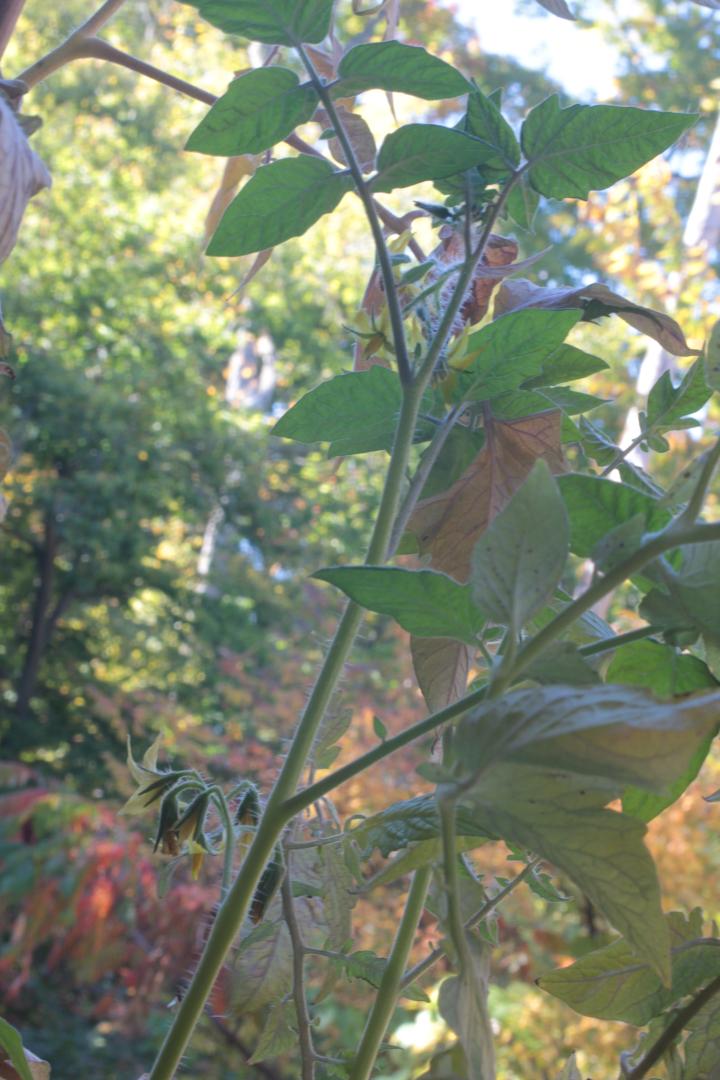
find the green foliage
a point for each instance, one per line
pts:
(520, 557)
(423, 602)
(405, 69)
(536, 766)
(582, 148)
(282, 200)
(285, 22)
(11, 1044)
(257, 110)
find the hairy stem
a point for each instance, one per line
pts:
(387, 995)
(673, 1030)
(307, 1051)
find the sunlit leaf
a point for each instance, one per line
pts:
(441, 668)
(586, 148)
(256, 111)
(281, 200)
(407, 69)
(283, 22)
(418, 152)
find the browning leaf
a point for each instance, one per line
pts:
(441, 669)
(448, 525)
(360, 136)
(500, 251)
(596, 300)
(236, 168)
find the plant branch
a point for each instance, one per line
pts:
(422, 473)
(665, 1040)
(383, 255)
(389, 989)
(419, 969)
(8, 18)
(446, 806)
(622, 454)
(615, 642)
(307, 1051)
(665, 541)
(675, 535)
(694, 508)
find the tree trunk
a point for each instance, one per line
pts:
(38, 639)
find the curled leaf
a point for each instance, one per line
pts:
(22, 175)
(596, 300)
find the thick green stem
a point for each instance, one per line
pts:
(233, 910)
(387, 995)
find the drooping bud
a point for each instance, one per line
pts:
(271, 877)
(248, 810)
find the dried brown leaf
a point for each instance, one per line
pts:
(441, 668)
(597, 300)
(361, 138)
(449, 524)
(39, 1069)
(236, 168)
(22, 175)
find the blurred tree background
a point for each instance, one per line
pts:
(158, 539)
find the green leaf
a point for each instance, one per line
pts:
(522, 204)
(463, 1005)
(519, 559)
(424, 602)
(282, 22)
(278, 1034)
(379, 729)
(619, 543)
(281, 200)
(596, 505)
(660, 669)
(586, 148)
(711, 357)
(339, 896)
(702, 1046)
(460, 449)
(485, 121)
(564, 820)
(255, 112)
(12, 1044)
(418, 152)
(692, 595)
(611, 984)
(511, 349)
(562, 663)
(408, 822)
(612, 732)
(370, 967)
(564, 365)
(404, 69)
(355, 412)
(517, 403)
(668, 406)
(332, 729)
